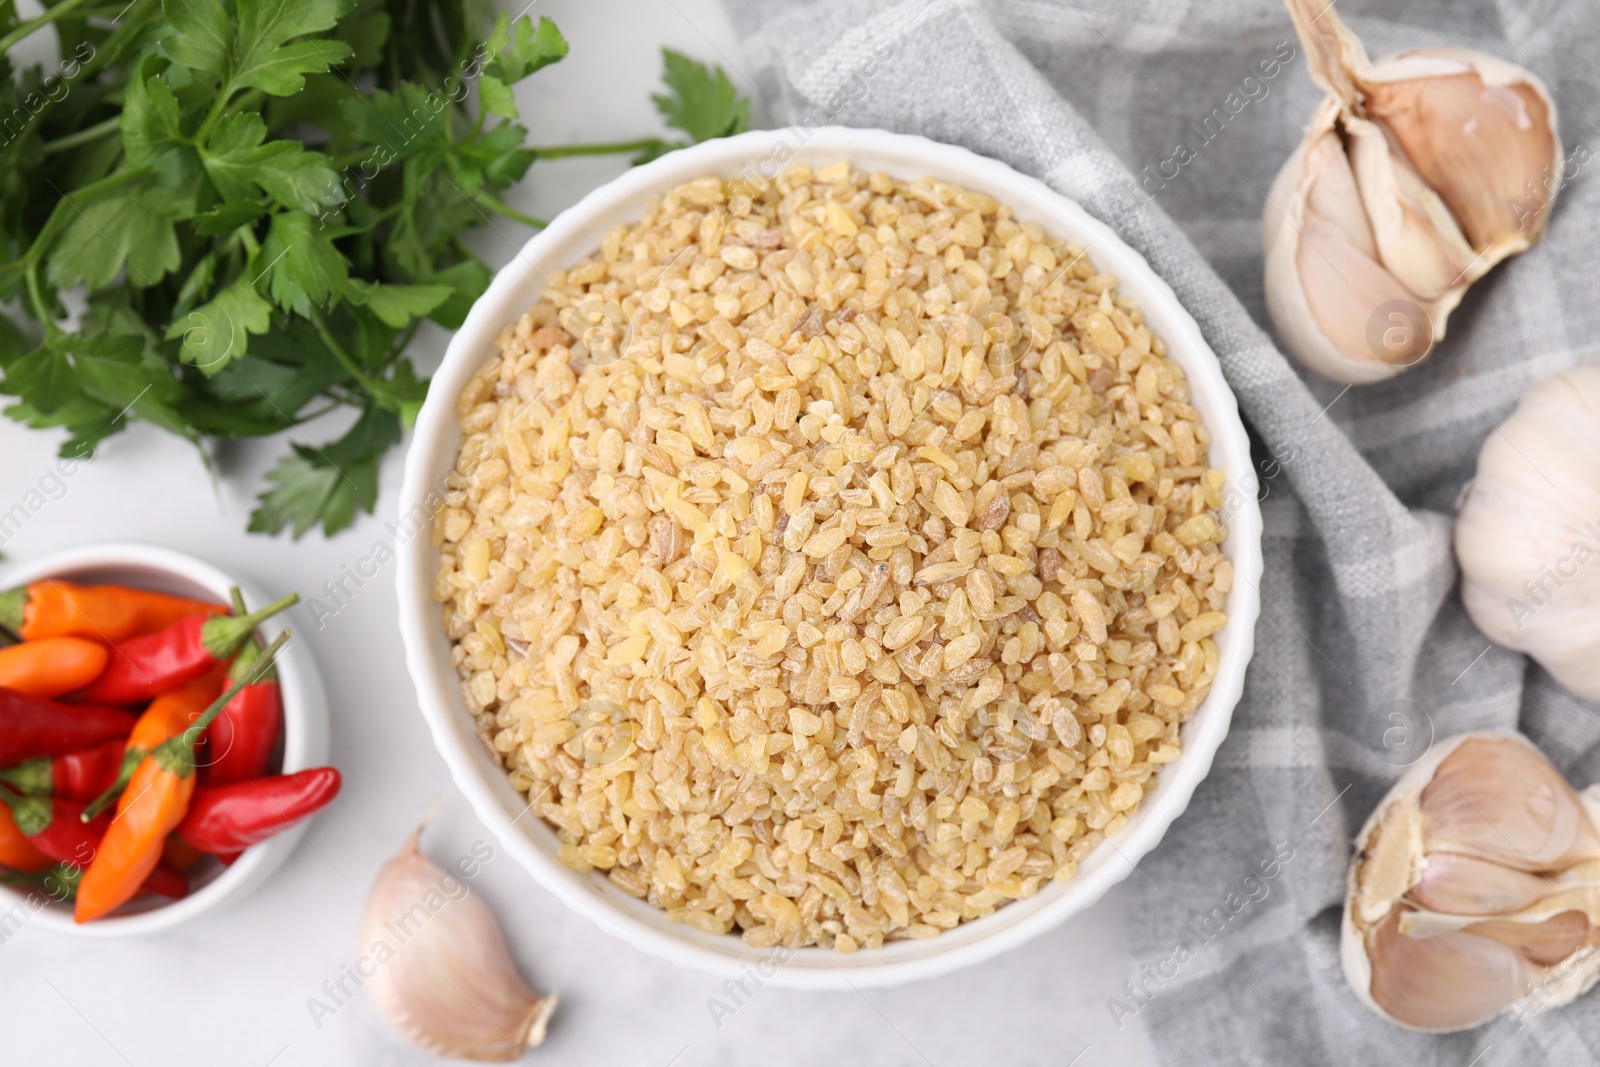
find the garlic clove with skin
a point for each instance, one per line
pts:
(1479, 130)
(1444, 929)
(1449, 982)
(449, 986)
(1443, 147)
(1324, 274)
(1463, 885)
(1527, 537)
(1506, 804)
(1547, 942)
(1417, 239)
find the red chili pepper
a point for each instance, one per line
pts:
(240, 742)
(76, 776)
(180, 855)
(230, 818)
(32, 726)
(52, 607)
(55, 827)
(165, 880)
(141, 668)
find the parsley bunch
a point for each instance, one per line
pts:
(251, 206)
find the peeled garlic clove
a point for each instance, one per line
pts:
(1505, 803)
(1444, 940)
(1465, 885)
(1528, 534)
(1448, 982)
(445, 979)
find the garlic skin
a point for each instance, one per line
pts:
(1475, 889)
(1528, 533)
(449, 986)
(1403, 192)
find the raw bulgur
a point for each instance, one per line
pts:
(832, 558)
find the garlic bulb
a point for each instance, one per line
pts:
(1475, 889)
(1528, 534)
(445, 980)
(1411, 183)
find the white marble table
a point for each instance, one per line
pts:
(234, 987)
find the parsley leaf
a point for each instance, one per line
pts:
(518, 51)
(396, 305)
(399, 124)
(303, 268)
(701, 102)
(43, 379)
(265, 62)
(328, 484)
(218, 332)
(130, 227)
(225, 218)
(308, 490)
(152, 133)
(203, 35)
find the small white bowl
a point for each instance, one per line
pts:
(305, 727)
(577, 233)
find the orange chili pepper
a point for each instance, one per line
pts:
(52, 607)
(167, 716)
(156, 800)
(51, 666)
(16, 851)
(171, 713)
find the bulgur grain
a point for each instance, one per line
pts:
(859, 584)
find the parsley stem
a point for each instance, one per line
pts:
(66, 7)
(603, 149)
(509, 212)
(83, 136)
(378, 389)
(36, 298)
(307, 416)
(219, 107)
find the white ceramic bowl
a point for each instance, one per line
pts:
(305, 729)
(577, 233)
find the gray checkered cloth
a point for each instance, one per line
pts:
(1363, 652)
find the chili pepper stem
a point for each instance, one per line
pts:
(64, 875)
(251, 649)
(176, 754)
(223, 635)
(31, 777)
(13, 605)
(130, 763)
(31, 814)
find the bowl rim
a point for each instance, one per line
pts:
(305, 732)
(438, 688)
